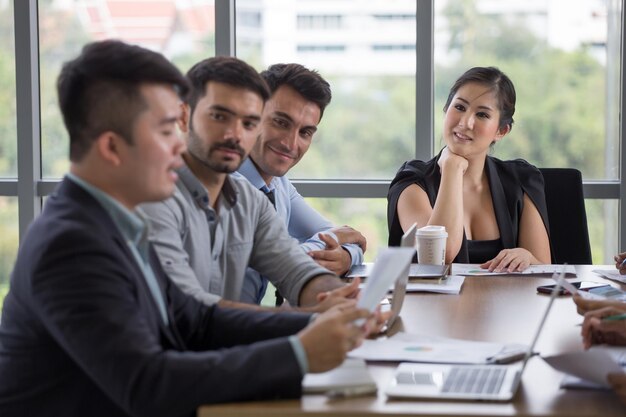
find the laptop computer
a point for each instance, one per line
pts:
(399, 289)
(419, 271)
(463, 382)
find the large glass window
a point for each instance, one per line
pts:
(9, 240)
(368, 216)
(366, 50)
(8, 141)
(563, 57)
(557, 53)
(182, 31)
(603, 233)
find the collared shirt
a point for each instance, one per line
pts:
(206, 251)
(134, 229)
(302, 221)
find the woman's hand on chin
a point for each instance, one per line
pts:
(450, 160)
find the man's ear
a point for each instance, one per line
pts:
(185, 117)
(502, 132)
(108, 146)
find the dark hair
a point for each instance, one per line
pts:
(224, 69)
(500, 84)
(308, 83)
(99, 90)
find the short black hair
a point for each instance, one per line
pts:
(499, 83)
(308, 83)
(99, 90)
(227, 70)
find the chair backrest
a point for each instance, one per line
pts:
(567, 215)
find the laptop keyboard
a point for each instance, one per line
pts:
(474, 380)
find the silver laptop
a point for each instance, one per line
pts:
(399, 289)
(463, 382)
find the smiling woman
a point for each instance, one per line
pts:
(494, 211)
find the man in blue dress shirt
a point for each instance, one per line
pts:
(216, 224)
(290, 118)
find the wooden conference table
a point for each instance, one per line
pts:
(496, 309)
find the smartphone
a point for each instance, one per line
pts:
(609, 292)
(581, 285)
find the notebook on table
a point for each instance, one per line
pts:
(417, 272)
(463, 382)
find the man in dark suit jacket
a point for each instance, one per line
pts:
(91, 325)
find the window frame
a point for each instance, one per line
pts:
(30, 187)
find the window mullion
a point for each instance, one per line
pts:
(424, 78)
(28, 110)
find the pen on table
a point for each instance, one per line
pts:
(351, 392)
(615, 317)
(508, 357)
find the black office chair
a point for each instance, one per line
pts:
(567, 216)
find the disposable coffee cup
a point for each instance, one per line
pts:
(431, 245)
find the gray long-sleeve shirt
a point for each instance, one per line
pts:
(302, 221)
(206, 252)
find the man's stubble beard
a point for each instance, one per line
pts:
(221, 167)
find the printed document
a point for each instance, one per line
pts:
(409, 347)
(476, 270)
(590, 365)
(352, 373)
(612, 274)
(451, 285)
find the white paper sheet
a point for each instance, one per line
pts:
(475, 270)
(390, 264)
(410, 347)
(569, 381)
(352, 373)
(573, 382)
(612, 274)
(450, 285)
(591, 365)
(415, 270)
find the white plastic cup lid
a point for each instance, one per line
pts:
(432, 231)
